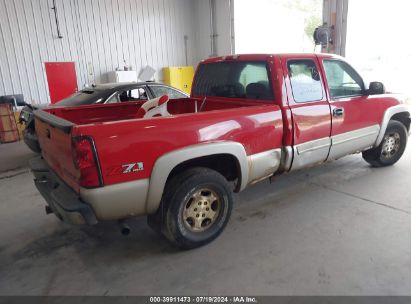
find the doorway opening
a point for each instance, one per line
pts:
(377, 43)
(281, 26)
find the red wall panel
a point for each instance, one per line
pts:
(62, 80)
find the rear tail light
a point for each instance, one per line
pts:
(85, 160)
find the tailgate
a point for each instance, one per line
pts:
(54, 135)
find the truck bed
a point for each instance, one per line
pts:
(126, 111)
(120, 138)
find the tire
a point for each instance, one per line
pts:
(195, 209)
(391, 148)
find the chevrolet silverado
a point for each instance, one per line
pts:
(249, 117)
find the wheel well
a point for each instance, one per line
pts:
(404, 118)
(225, 164)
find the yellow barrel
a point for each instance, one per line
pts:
(179, 77)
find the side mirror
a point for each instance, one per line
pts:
(376, 88)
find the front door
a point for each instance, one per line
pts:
(310, 110)
(356, 117)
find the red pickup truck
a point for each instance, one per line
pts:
(249, 117)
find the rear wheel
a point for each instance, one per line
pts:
(196, 207)
(391, 148)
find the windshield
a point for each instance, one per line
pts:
(235, 79)
(84, 97)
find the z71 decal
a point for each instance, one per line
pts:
(126, 169)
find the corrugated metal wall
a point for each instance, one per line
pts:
(98, 35)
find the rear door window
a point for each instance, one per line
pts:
(162, 90)
(305, 80)
(137, 94)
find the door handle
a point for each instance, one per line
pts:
(338, 112)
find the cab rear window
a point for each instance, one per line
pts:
(239, 79)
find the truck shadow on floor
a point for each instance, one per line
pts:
(105, 237)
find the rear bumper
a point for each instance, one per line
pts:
(64, 202)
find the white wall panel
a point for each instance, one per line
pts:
(98, 35)
(224, 24)
(224, 14)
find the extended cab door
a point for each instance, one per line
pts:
(310, 110)
(356, 117)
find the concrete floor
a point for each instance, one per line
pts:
(339, 229)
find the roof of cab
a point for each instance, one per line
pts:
(264, 57)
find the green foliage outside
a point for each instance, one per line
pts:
(312, 10)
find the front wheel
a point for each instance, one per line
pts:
(391, 148)
(197, 207)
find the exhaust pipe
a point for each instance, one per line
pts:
(124, 228)
(48, 210)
